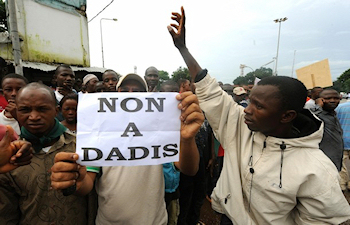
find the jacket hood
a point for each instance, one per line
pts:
(308, 129)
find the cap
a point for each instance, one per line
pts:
(132, 76)
(88, 77)
(239, 91)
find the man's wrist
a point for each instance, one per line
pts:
(200, 75)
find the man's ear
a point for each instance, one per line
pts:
(288, 116)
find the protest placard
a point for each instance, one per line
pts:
(128, 129)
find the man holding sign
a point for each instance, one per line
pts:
(132, 194)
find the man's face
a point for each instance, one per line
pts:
(91, 85)
(331, 100)
(110, 80)
(100, 87)
(65, 78)
(263, 112)
(316, 94)
(10, 87)
(131, 86)
(152, 77)
(36, 110)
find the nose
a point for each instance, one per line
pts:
(14, 93)
(248, 109)
(34, 115)
(71, 112)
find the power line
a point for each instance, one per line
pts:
(100, 11)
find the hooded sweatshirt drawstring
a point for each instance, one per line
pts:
(282, 147)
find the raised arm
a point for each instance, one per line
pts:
(178, 33)
(191, 120)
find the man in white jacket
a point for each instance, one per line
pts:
(274, 171)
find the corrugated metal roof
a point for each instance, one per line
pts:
(51, 67)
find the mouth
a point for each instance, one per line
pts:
(247, 120)
(35, 126)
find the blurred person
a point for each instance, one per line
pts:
(11, 84)
(332, 141)
(89, 83)
(100, 87)
(152, 78)
(110, 78)
(64, 79)
(240, 96)
(68, 107)
(315, 94)
(343, 114)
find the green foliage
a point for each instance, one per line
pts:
(343, 82)
(181, 73)
(163, 76)
(250, 77)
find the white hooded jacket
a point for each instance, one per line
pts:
(268, 180)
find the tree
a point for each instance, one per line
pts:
(249, 78)
(163, 76)
(344, 81)
(181, 73)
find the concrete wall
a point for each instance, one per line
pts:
(50, 35)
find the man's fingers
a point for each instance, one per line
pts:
(65, 167)
(66, 156)
(62, 185)
(64, 176)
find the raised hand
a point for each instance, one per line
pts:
(13, 153)
(178, 34)
(191, 114)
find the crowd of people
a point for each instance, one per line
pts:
(266, 155)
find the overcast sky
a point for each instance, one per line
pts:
(221, 35)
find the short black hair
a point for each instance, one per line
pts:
(170, 83)
(292, 92)
(67, 97)
(16, 76)
(36, 85)
(329, 89)
(313, 90)
(62, 66)
(110, 70)
(181, 81)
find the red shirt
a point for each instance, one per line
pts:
(3, 103)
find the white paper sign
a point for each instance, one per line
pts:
(128, 129)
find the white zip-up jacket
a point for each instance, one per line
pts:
(268, 180)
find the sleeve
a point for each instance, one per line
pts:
(223, 113)
(9, 201)
(327, 205)
(93, 169)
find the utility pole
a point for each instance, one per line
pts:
(16, 46)
(278, 41)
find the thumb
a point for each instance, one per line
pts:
(8, 138)
(171, 31)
